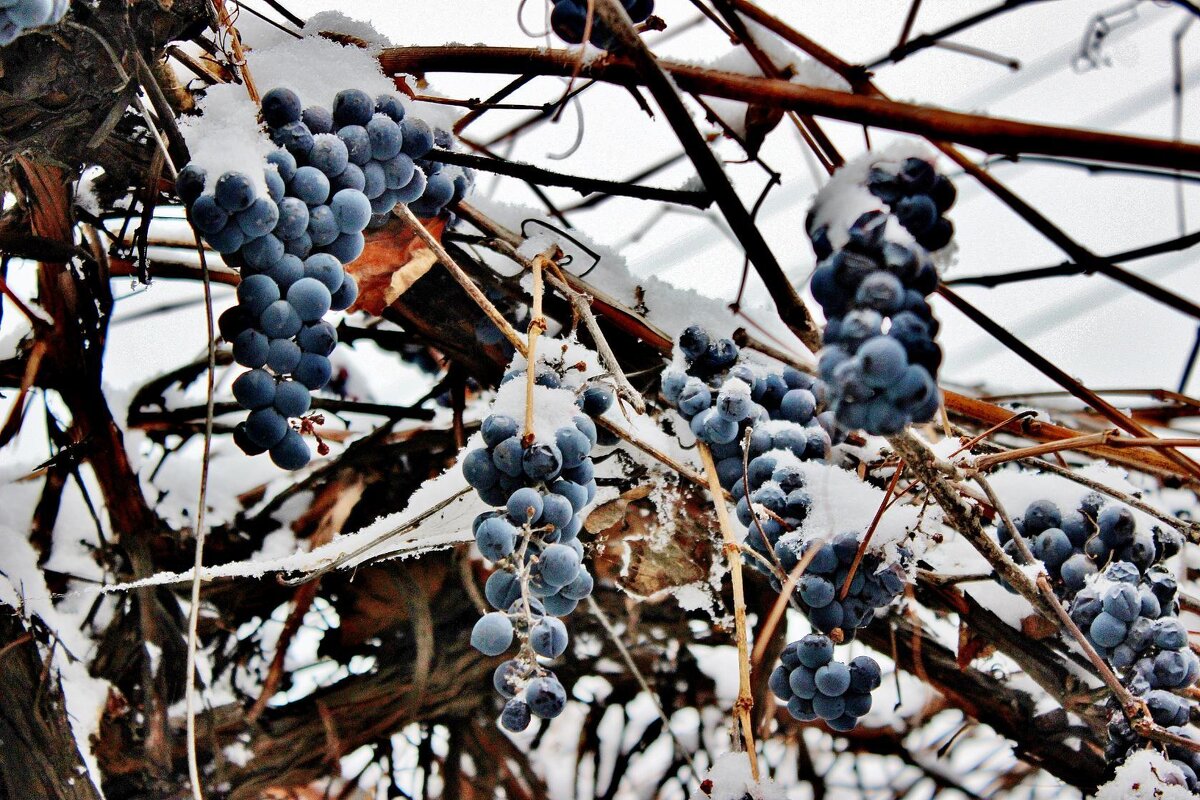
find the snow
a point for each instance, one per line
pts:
(553, 408)
(23, 588)
(226, 136)
(1146, 775)
(317, 69)
(731, 780)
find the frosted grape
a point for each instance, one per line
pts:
(313, 370)
(280, 106)
(310, 185)
(546, 697)
(386, 137)
(351, 210)
(548, 637)
(352, 107)
(234, 191)
(256, 293)
(291, 453)
(322, 227)
(345, 295)
(310, 299)
(254, 389)
(492, 634)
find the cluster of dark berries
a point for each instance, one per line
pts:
(19, 16)
(277, 328)
(568, 19)
(919, 197)
(368, 145)
(540, 489)
(880, 360)
(814, 686)
(1120, 594)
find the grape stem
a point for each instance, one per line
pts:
(537, 324)
(235, 46)
(745, 698)
(403, 212)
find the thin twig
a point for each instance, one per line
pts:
(537, 324)
(627, 657)
(402, 211)
(745, 699)
(201, 532)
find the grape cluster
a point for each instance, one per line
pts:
(1125, 601)
(919, 197)
(874, 585)
(815, 686)
(18, 16)
(276, 328)
(721, 398)
(880, 360)
(540, 489)
(371, 146)
(569, 18)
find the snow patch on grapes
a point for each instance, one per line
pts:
(226, 137)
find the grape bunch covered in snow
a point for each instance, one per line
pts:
(19, 16)
(539, 480)
(815, 686)
(880, 360)
(1122, 596)
(569, 20)
(293, 243)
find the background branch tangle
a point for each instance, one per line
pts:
(416, 633)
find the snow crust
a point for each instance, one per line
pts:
(731, 780)
(1146, 775)
(226, 136)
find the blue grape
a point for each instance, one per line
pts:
(300, 246)
(280, 106)
(317, 119)
(329, 154)
(560, 606)
(556, 510)
(189, 183)
(418, 138)
(797, 405)
(290, 453)
(276, 187)
(250, 348)
(883, 361)
(352, 177)
(374, 180)
(479, 470)
(284, 162)
(1170, 634)
(495, 538)
(498, 427)
(828, 708)
(586, 427)
(413, 189)
(814, 651)
(439, 189)
(573, 446)
(233, 321)
(833, 679)
(816, 591)
(352, 107)
(516, 715)
(1041, 515)
(207, 215)
(254, 389)
(310, 185)
(398, 171)
(525, 506)
(918, 213)
(322, 227)
(492, 634)
(326, 269)
(283, 356)
(1107, 631)
(390, 105)
(541, 461)
(347, 247)
(286, 271)
(313, 371)
(295, 137)
(266, 427)
(1122, 602)
(292, 399)
(234, 191)
(310, 299)
(559, 565)
(279, 321)
(574, 492)
(386, 137)
(548, 637)
(351, 211)
(596, 399)
(579, 588)
(865, 675)
(546, 697)
(507, 456)
(262, 253)
(358, 143)
(502, 589)
(694, 398)
(256, 293)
